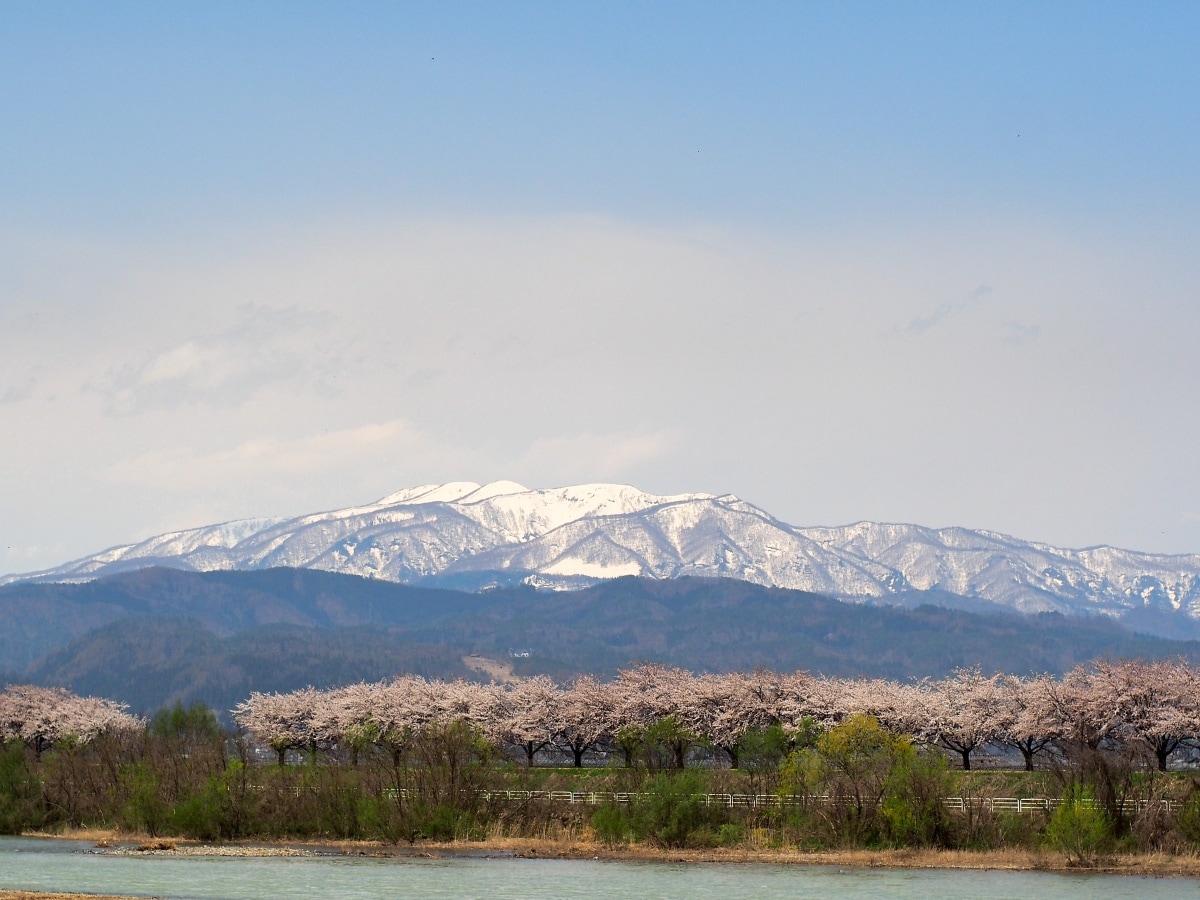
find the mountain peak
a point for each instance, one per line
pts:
(465, 533)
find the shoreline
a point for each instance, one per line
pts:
(1157, 865)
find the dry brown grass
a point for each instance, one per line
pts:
(1012, 859)
(578, 842)
(38, 895)
(495, 669)
(95, 835)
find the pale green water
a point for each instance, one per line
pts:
(66, 866)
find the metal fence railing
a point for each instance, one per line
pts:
(775, 801)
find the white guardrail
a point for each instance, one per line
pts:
(767, 801)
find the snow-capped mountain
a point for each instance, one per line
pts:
(471, 535)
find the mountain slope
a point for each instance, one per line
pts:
(467, 535)
(216, 636)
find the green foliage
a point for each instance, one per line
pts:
(194, 723)
(222, 809)
(1187, 824)
(145, 807)
(19, 791)
(670, 809)
(731, 834)
(1080, 829)
(612, 824)
(763, 749)
(912, 807)
(384, 819)
(801, 773)
(448, 822)
(631, 739)
(667, 743)
(887, 792)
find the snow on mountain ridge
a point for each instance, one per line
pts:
(593, 531)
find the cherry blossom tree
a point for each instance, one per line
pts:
(1032, 720)
(283, 722)
(648, 706)
(585, 717)
(1156, 703)
(42, 717)
(529, 715)
(723, 708)
(1081, 715)
(394, 712)
(964, 711)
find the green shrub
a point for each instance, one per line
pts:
(731, 834)
(912, 807)
(612, 824)
(220, 810)
(144, 809)
(448, 823)
(671, 809)
(1079, 829)
(19, 792)
(200, 816)
(856, 762)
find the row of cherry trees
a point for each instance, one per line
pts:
(43, 717)
(1153, 707)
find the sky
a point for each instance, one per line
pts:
(926, 262)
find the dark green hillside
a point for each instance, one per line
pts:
(719, 624)
(155, 636)
(36, 618)
(150, 663)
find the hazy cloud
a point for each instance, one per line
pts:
(274, 458)
(19, 391)
(264, 346)
(588, 457)
(1017, 333)
(947, 309)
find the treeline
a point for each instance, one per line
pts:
(861, 762)
(1147, 709)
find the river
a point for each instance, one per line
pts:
(53, 865)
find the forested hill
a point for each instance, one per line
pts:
(158, 635)
(36, 618)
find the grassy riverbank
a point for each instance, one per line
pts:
(854, 789)
(583, 845)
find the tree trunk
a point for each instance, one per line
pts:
(529, 751)
(578, 749)
(734, 756)
(1162, 752)
(966, 758)
(1028, 754)
(679, 751)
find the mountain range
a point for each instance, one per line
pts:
(474, 537)
(469, 536)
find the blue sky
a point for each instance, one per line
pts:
(788, 114)
(923, 262)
